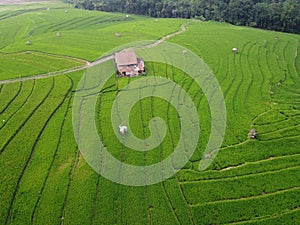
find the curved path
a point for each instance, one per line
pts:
(90, 64)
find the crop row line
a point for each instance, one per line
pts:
(4, 34)
(161, 150)
(25, 121)
(163, 183)
(239, 82)
(76, 158)
(13, 98)
(291, 65)
(274, 46)
(267, 124)
(282, 138)
(279, 53)
(290, 89)
(282, 129)
(259, 161)
(200, 94)
(284, 162)
(219, 65)
(256, 117)
(161, 153)
(235, 145)
(267, 59)
(39, 52)
(101, 163)
(95, 200)
(145, 161)
(4, 40)
(182, 191)
(263, 74)
(20, 12)
(145, 154)
(246, 141)
(242, 176)
(55, 152)
(256, 72)
(227, 90)
(65, 23)
(77, 23)
(286, 69)
(277, 57)
(118, 207)
(20, 107)
(267, 217)
(173, 146)
(244, 62)
(295, 59)
(15, 33)
(78, 153)
(225, 78)
(248, 198)
(28, 161)
(113, 19)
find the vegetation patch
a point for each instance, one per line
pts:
(45, 179)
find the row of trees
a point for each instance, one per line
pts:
(280, 15)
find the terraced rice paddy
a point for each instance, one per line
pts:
(44, 179)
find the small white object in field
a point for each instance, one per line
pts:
(28, 43)
(156, 20)
(48, 9)
(127, 16)
(207, 156)
(123, 129)
(3, 120)
(58, 34)
(66, 11)
(118, 34)
(234, 50)
(184, 52)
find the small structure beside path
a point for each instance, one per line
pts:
(253, 134)
(128, 64)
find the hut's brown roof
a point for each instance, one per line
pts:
(125, 58)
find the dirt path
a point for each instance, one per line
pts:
(89, 64)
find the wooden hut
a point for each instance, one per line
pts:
(253, 134)
(128, 64)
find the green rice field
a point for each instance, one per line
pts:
(44, 178)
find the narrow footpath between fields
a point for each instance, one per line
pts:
(90, 64)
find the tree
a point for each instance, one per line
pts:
(281, 15)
